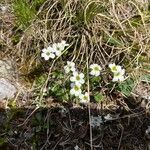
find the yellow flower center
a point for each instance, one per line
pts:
(114, 68)
(78, 78)
(96, 68)
(85, 98)
(58, 48)
(48, 53)
(76, 88)
(117, 74)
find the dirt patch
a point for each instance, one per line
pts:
(66, 127)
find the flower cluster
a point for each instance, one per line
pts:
(77, 80)
(54, 50)
(117, 71)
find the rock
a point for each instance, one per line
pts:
(6, 69)
(7, 89)
(8, 86)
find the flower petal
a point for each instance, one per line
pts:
(52, 55)
(81, 75)
(72, 78)
(121, 78)
(111, 65)
(115, 79)
(72, 92)
(44, 50)
(46, 57)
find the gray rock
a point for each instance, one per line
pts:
(6, 70)
(7, 80)
(7, 89)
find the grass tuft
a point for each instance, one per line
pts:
(26, 11)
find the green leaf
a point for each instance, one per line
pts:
(40, 80)
(58, 75)
(126, 87)
(95, 79)
(146, 78)
(115, 41)
(2, 141)
(98, 97)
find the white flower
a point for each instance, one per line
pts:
(59, 47)
(119, 76)
(84, 98)
(95, 69)
(63, 42)
(77, 78)
(48, 53)
(115, 68)
(118, 72)
(69, 67)
(76, 90)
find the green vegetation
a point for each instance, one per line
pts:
(34, 32)
(26, 11)
(105, 32)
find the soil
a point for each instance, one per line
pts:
(65, 127)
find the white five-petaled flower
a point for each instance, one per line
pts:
(59, 47)
(76, 89)
(77, 78)
(115, 68)
(118, 72)
(70, 67)
(119, 76)
(84, 98)
(48, 53)
(95, 69)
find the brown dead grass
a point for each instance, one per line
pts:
(118, 32)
